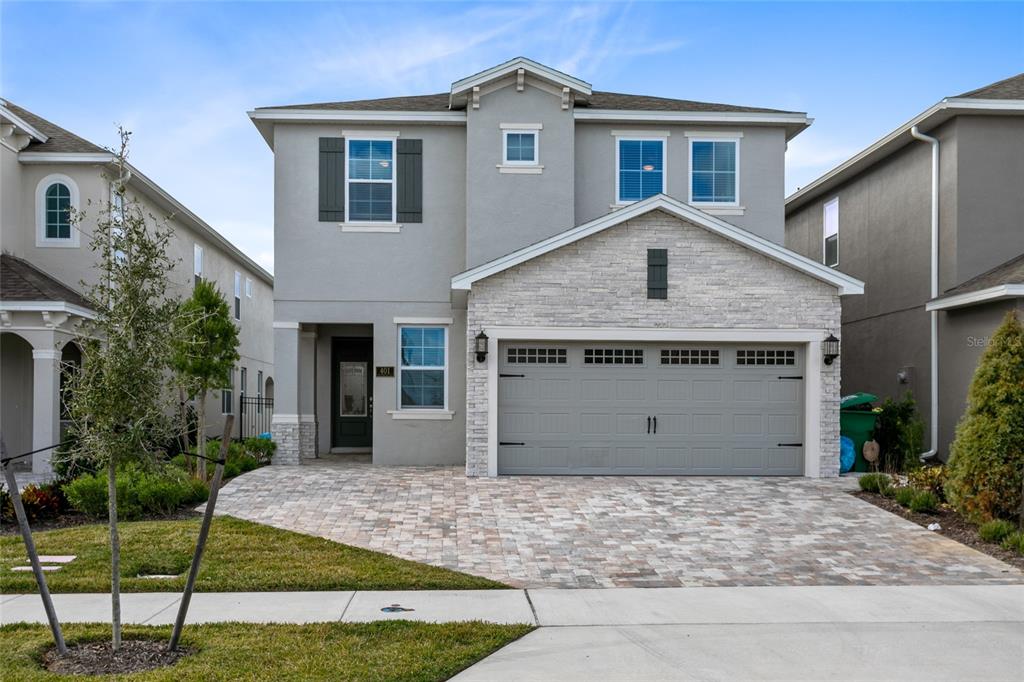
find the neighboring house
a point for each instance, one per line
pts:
(872, 217)
(526, 275)
(45, 170)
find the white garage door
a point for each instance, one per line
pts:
(650, 408)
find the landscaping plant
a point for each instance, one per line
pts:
(874, 483)
(1014, 542)
(117, 401)
(904, 496)
(995, 530)
(900, 435)
(140, 492)
(932, 478)
(924, 501)
(986, 465)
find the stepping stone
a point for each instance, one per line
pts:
(157, 576)
(29, 568)
(55, 558)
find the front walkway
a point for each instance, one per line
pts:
(578, 532)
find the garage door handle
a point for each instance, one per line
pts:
(505, 442)
(648, 425)
(790, 445)
(512, 376)
(795, 378)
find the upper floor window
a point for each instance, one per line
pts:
(830, 233)
(641, 169)
(197, 263)
(370, 180)
(56, 198)
(238, 295)
(713, 165)
(520, 147)
(248, 287)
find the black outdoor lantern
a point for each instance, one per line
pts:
(481, 347)
(830, 348)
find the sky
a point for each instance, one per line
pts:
(182, 75)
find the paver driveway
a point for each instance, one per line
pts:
(533, 531)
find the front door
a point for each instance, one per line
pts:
(351, 392)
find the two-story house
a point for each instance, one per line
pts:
(531, 276)
(46, 257)
(930, 216)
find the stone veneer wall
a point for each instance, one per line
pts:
(601, 281)
(295, 439)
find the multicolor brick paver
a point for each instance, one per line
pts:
(531, 531)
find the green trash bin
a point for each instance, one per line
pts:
(856, 422)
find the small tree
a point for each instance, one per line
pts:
(986, 466)
(206, 351)
(119, 399)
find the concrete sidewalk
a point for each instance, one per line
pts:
(558, 608)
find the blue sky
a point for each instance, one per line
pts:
(182, 75)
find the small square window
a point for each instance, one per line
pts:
(520, 147)
(248, 287)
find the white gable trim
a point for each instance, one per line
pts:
(511, 67)
(996, 293)
(847, 285)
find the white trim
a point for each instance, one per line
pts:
(723, 210)
(399, 368)
(361, 134)
(45, 354)
(282, 418)
(641, 133)
(521, 170)
(393, 182)
(66, 157)
(846, 284)
(48, 307)
(370, 227)
(664, 162)
(689, 176)
(525, 127)
(996, 293)
(794, 123)
(824, 235)
(351, 115)
(728, 135)
(74, 236)
(512, 66)
(810, 339)
(423, 320)
(285, 325)
(19, 122)
(505, 163)
(425, 415)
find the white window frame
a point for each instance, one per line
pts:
(393, 139)
(663, 139)
(689, 176)
(248, 287)
(834, 201)
(197, 262)
(73, 240)
(400, 368)
(238, 296)
(520, 131)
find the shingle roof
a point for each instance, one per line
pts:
(598, 100)
(1008, 88)
(1010, 272)
(22, 281)
(60, 140)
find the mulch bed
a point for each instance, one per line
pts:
(98, 658)
(953, 527)
(72, 519)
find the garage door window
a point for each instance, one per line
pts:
(537, 356)
(613, 356)
(689, 356)
(423, 367)
(766, 357)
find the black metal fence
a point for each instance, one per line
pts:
(255, 414)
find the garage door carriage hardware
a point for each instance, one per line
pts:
(792, 378)
(789, 445)
(512, 376)
(506, 442)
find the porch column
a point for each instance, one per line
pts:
(45, 406)
(285, 424)
(307, 394)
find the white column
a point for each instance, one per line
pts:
(45, 406)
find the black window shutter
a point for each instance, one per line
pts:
(332, 179)
(657, 273)
(410, 182)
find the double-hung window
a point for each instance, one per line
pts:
(713, 171)
(227, 395)
(423, 367)
(238, 295)
(830, 233)
(520, 147)
(248, 287)
(640, 171)
(370, 180)
(197, 263)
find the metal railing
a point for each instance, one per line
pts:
(255, 414)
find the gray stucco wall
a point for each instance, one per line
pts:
(761, 172)
(601, 281)
(506, 211)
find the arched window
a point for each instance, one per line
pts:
(58, 213)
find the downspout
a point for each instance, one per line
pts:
(934, 314)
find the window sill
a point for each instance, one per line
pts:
(57, 243)
(426, 415)
(370, 227)
(720, 209)
(522, 170)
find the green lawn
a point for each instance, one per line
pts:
(240, 557)
(394, 650)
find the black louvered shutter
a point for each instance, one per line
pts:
(657, 273)
(332, 179)
(410, 182)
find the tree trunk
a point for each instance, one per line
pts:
(115, 555)
(201, 437)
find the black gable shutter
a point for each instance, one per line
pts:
(332, 179)
(657, 273)
(410, 181)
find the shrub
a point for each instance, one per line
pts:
(924, 501)
(904, 496)
(262, 449)
(987, 456)
(932, 478)
(1014, 542)
(139, 492)
(873, 483)
(995, 530)
(900, 435)
(40, 502)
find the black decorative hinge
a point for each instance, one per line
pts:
(512, 376)
(506, 442)
(790, 445)
(794, 378)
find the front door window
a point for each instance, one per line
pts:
(353, 389)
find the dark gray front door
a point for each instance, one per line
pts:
(648, 408)
(351, 392)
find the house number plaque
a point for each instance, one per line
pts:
(385, 371)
